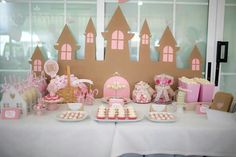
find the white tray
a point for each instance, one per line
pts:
(72, 120)
(162, 121)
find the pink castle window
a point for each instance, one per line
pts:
(195, 64)
(168, 55)
(145, 39)
(90, 38)
(37, 65)
(66, 51)
(117, 40)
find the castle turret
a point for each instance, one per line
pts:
(195, 60)
(167, 48)
(66, 45)
(37, 61)
(90, 41)
(144, 47)
(117, 37)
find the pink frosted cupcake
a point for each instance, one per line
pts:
(101, 115)
(121, 116)
(132, 116)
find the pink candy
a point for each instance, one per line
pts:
(142, 93)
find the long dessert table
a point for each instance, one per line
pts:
(44, 136)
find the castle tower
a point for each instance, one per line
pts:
(167, 48)
(117, 37)
(37, 61)
(195, 60)
(144, 47)
(90, 41)
(66, 46)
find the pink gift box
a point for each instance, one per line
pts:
(10, 113)
(192, 91)
(206, 92)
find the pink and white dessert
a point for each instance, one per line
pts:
(162, 116)
(132, 116)
(121, 116)
(52, 101)
(72, 115)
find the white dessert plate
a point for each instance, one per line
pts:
(85, 115)
(161, 120)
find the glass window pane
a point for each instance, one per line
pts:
(230, 2)
(158, 16)
(14, 40)
(228, 75)
(14, 35)
(78, 15)
(191, 29)
(230, 35)
(227, 83)
(47, 24)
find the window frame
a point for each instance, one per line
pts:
(195, 64)
(117, 40)
(168, 54)
(66, 52)
(37, 65)
(145, 39)
(90, 38)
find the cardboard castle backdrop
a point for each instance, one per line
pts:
(117, 55)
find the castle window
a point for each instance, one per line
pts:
(90, 38)
(66, 52)
(195, 64)
(117, 41)
(145, 39)
(168, 54)
(37, 65)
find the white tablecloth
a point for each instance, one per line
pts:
(44, 136)
(192, 134)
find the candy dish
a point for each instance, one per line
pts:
(75, 106)
(163, 117)
(72, 116)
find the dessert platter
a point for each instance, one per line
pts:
(117, 114)
(161, 117)
(107, 99)
(72, 116)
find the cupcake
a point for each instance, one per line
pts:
(132, 116)
(111, 114)
(101, 115)
(121, 116)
